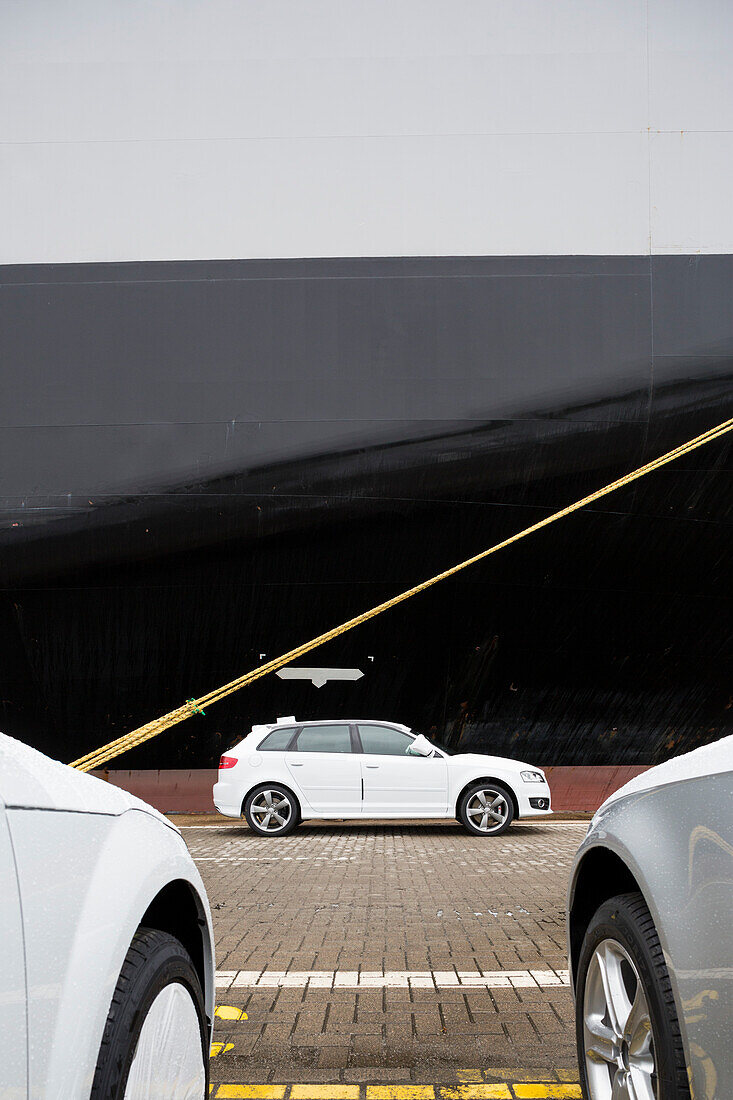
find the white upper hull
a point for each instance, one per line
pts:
(407, 128)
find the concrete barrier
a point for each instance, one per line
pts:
(181, 791)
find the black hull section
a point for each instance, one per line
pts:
(334, 432)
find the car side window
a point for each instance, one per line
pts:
(324, 739)
(383, 741)
(276, 741)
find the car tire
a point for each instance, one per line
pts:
(266, 804)
(481, 803)
(621, 964)
(155, 1040)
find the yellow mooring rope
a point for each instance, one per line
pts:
(192, 706)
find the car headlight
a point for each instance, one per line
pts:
(533, 777)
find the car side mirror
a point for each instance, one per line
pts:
(420, 747)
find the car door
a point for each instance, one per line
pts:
(396, 783)
(326, 769)
(13, 1032)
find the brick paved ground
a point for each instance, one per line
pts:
(380, 898)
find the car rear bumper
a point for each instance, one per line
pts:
(226, 800)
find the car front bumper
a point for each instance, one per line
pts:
(534, 799)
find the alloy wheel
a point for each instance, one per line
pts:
(487, 810)
(271, 811)
(617, 1031)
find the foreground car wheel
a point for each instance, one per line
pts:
(486, 809)
(628, 1034)
(271, 810)
(155, 1040)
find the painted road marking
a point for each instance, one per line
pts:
(251, 1092)
(230, 1012)
(474, 1092)
(510, 1090)
(531, 1091)
(391, 979)
(400, 1092)
(325, 1092)
(272, 859)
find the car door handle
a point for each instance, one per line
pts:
(371, 765)
(299, 764)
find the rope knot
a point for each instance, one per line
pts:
(195, 707)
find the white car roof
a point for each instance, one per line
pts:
(290, 722)
(30, 780)
(711, 759)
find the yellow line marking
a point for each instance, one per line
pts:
(192, 706)
(220, 1048)
(251, 1092)
(400, 1092)
(520, 1090)
(468, 1076)
(230, 1012)
(542, 1092)
(325, 1092)
(475, 1092)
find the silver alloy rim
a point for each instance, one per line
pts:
(271, 811)
(168, 1063)
(487, 810)
(617, 1031)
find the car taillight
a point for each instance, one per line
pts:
(227, 762)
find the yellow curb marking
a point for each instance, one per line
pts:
(529, 1090)
(475, 1092)
(531, 1076)
(469, 1076)
(230, 1012)
(251, 1092)
(400, 1092)
(541, 1092)
(220, 1048)
(325, 1092)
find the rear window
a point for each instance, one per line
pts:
(277, 741)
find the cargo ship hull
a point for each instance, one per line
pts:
(352, 455)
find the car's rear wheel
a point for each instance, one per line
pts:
(155, 1040)
(486, 809)
(271, 810)
(628, 1033)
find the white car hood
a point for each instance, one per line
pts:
(707, 760)
(495, 763)
(30, 780)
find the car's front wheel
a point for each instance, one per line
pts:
(155, 1040)
(486, 809)
(271, 810)
(628, 1034)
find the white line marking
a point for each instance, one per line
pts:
(390, 979)
(271, 859)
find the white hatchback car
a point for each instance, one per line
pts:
(106, 945)
(288, 771)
